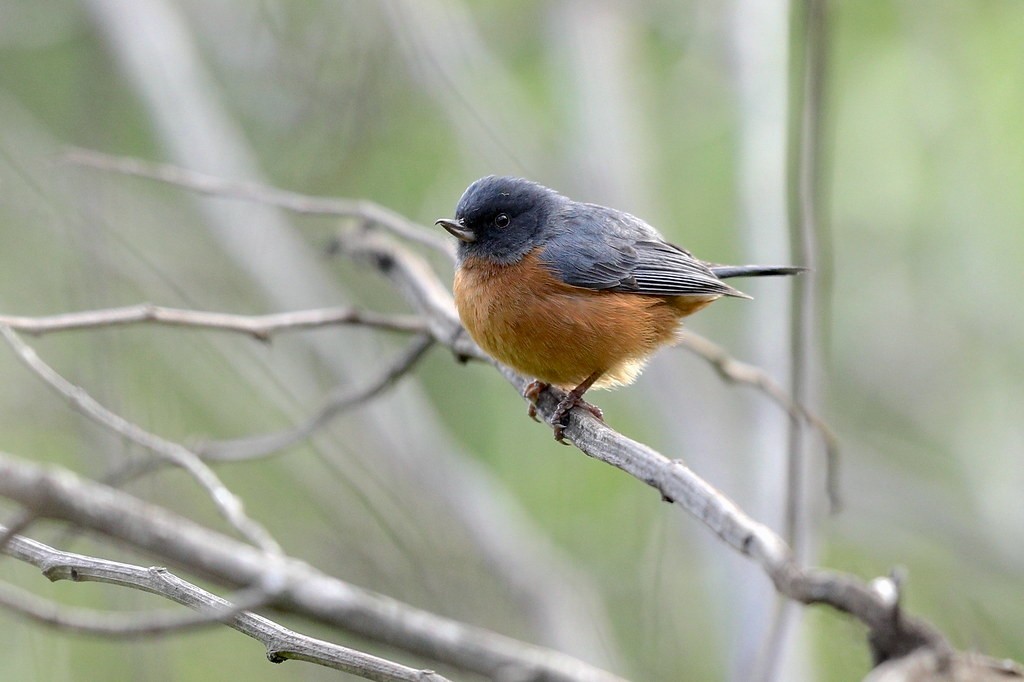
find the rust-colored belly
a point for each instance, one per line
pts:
(528, 319)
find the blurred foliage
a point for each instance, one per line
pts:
(405, 103)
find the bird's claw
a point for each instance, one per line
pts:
(560, 417)
(532, 393)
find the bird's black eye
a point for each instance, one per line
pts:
(501, 220)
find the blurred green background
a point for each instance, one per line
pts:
(442, 493)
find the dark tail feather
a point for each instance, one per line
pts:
(726, 271)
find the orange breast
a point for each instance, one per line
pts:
(527, 318)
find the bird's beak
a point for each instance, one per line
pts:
(456, 228)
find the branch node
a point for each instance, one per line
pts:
(888, 590)
(748, 540)
(55, 568)
(384, 262)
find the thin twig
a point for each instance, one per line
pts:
(338, 402)
(260, 327)
(227, 503)
(362, 209)
(736, 371)
(122, 625)
(281, 643)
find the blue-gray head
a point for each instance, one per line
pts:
(501, 218)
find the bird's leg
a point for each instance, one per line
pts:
(532, 393)
(574, 398)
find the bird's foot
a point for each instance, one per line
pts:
(560, 417)
(532, 393)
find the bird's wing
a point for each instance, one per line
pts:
(608, 250)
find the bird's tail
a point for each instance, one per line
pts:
(726, 271)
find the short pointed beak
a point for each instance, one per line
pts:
(456, 228)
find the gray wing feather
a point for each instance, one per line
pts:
(600, 248)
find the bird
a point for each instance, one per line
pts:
(574, 295)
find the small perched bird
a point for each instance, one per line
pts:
(575, 295)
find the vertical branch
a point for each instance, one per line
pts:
(808, 26)
(807, 67)
(806, 225)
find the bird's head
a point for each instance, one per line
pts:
(501, 218)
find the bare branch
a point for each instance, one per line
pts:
(119, 625)
(891, 632)
(261, 327)
(924, 665)
(738, 372)
(805, 175)
(338, 402)
(418, 283)
(227, 503)
(59, 494)
(361, 209)
(281, 643)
